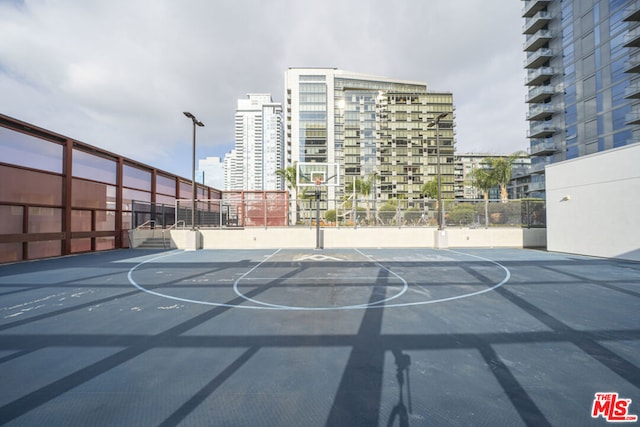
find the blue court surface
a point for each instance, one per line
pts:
(349, 337)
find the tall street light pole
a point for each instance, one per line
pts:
(196, 122)
(436, 122)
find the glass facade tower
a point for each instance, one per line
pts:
(582, 63)
(371, 126)
(313, 118)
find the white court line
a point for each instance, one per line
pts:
(304, 279)
(215, 304)
(267, 306)
(497, 285)
(405, 286)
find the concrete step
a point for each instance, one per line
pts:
(153, 243)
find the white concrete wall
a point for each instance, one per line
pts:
(137, 237)
(593, 204)
(390, 237)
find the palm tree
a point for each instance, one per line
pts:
(362, 187)
(501, 169)
(366, 186)
(485, 179)
(289, 176)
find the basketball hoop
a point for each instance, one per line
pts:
(312, 174)
(318, 175)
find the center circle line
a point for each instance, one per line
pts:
(265, 306)
(405, 287)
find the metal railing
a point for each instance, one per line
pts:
(147, 225)
(422, 213)
(361, 212)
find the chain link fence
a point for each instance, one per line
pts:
(423, 213)
(274, 210)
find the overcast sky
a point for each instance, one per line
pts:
(118, 74)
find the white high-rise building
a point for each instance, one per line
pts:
(258, 145)
(232, 171)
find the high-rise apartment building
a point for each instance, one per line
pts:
(232, 170)
(583, 75)
(258, 151)
(372, 127)
(407, 155)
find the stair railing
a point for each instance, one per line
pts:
(147, 225)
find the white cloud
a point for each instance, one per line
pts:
(119, 73)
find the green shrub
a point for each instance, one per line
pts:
(413, 214)
(462, 214)
(330, 215)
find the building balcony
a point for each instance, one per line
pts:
(536, 186)
(632, 118)
(538, 164)
(540, 112)
(633, 91)
(537, 40)
(539, 94)
(538, 76)
(632, 38)
(531, 7)
(632, 65)
(538, 58)
(536, 22)
(541, 130)
(542, 147)
(632, 12)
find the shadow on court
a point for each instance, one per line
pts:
(403, 337)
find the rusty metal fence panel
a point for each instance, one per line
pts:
(236, 209)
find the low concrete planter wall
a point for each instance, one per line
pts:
(391, 237)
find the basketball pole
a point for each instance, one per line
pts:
(354, 211)
(318, 175)
(318, 215)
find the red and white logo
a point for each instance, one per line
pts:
(612, 408)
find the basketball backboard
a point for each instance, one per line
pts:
(317, 174)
